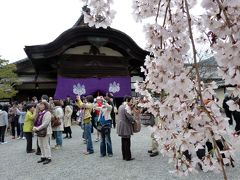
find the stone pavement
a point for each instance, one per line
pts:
(70, 163)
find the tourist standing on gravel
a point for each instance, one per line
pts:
(106, 122)
(44, 121)
(44, 98)
(3, 124)
(88, 106)
(21, 111)
(13, 119)
(68, 122)
(98, 104)
(28, 126)
(125, 127)
(57, 130)
(114, 109)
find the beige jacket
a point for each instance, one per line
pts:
(67, 116)
(58, 112)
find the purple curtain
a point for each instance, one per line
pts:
(119, 86)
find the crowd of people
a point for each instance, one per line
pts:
(49, 119)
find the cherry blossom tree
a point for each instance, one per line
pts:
(190, 119)
(98, 13)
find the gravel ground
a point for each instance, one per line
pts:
(70, 163)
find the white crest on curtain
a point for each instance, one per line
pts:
(114, 87)
(79, 89)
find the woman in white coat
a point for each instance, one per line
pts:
(68, 122)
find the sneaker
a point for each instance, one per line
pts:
(5, 142)
(110, 155)
(23, 138)
(19, 138)
(54, 147)
(57, 147)
(87, 153)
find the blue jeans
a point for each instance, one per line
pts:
(106, 142)
(88, 137)
(58, 136)
(21, 129)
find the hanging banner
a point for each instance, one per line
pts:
(119, 86)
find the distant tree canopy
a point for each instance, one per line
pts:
(8, 79)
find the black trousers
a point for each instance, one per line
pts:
(114, 122)
(14, 125)
(68, 131)
(126, 148)
(201, 152)
(2, 133)
(29, 136)
(38, 147)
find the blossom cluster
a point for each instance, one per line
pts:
(98, 13)
(222, 18)
(190, 118)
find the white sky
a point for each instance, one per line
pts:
(34, 22)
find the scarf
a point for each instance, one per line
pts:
(38, 122)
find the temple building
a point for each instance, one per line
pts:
(82, 60)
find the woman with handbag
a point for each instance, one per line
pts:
(42, 127)
(57, 123)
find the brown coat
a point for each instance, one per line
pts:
(125, 122)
